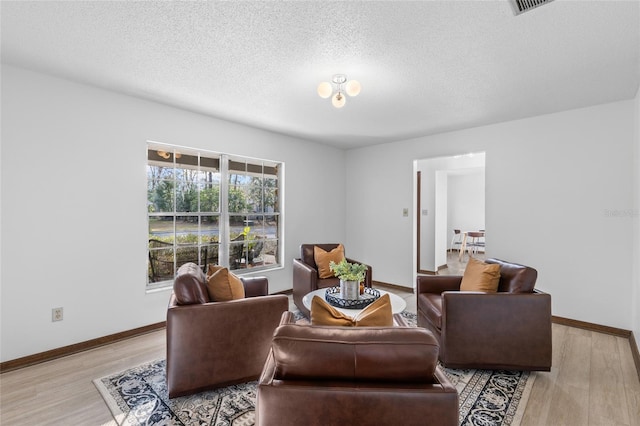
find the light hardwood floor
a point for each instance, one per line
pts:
(593, 379)
(592, 382)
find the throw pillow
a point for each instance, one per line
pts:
(377, 314)
(323, 313)
(480, 276)
(223, 285)
(323, 257)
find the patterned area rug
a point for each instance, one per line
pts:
(138, 396)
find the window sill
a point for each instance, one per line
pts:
(159, 287)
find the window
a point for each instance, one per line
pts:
(211, 208)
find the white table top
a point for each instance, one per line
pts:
(398, 304)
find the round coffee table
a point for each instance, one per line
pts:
(398, 304)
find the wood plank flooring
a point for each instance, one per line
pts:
(593, 381)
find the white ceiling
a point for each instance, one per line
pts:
(425, 67)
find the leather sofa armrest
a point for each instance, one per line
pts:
(287, 318)
(518, 325)
(305, 278)
(368, 277)
(441, 378)
(489, 307)
(172, 301)
(399, 321)
(438, 283)
(255, 286)
(268, 371)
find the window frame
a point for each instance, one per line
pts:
(261, 240)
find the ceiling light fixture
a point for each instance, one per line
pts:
(166, 155)
(341, 86)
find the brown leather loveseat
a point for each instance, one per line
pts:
(214, 344)
(321, 375)
(509, 329)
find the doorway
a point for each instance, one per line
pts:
(450, 194)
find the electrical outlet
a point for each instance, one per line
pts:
(56, 314)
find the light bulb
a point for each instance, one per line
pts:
(338, 100)
(324, 90)
(353, 88)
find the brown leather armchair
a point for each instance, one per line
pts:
(214, 344)
(305, 274)
(509, 329)
(354, 376)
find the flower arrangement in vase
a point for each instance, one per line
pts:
(350, 275)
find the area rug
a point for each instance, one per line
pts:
(139, 396)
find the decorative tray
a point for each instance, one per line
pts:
(332, 295)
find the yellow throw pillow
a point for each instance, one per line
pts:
(377, 314)
(323, 257)
(223, 285)
(323, 313)
(480, 276)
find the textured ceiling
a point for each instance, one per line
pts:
(425, 67)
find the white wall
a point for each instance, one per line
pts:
(466, 202)
(441, 207)
(74, 226)
(432, 190)
(552, 180)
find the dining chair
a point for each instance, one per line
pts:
(456, 240)
(475, 240)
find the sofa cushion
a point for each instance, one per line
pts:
(377, 314)
(480, 276)
(223, 285)
(323, 258)
(189, 285)
(392, 354)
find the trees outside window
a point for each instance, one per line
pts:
(211, 208)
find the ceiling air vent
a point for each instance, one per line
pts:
(522, 6)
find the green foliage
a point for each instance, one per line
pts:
(210, 199)
(187, 239)
(348, 271)
(237, 201)
(247, 194)
(161, 197)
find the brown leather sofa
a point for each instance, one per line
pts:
(354, 376)
(214, 344)
(305, 274)
(509, 329)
